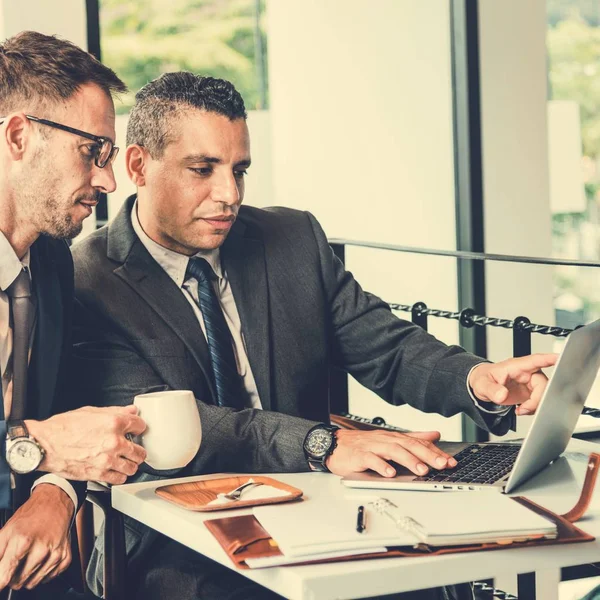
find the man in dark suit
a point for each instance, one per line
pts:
(56, 148)
(249, 309)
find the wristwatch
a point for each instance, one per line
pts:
(23, 453)
(319, 443)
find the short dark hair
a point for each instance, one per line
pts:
(38, 69)
(171, 93)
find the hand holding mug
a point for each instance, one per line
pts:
(173, 432)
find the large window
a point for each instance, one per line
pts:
(573, 42)
(221, 38)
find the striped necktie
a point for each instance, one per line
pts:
(226, 378)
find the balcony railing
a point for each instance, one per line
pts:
(521, 326)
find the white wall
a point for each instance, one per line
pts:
(66, 18)
(361, 117)
(259, 182)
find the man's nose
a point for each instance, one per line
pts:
(226, 191)
(104, 179)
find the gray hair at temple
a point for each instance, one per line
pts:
(172, 94)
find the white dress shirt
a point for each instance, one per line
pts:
(175, 265)
(10, 267)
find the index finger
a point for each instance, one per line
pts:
(429, 454)
(29, 566)
(117, 410)
(9, 563)
(534, 362)
(134, 424)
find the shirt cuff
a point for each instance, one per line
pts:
(494, 408)
(62, 483)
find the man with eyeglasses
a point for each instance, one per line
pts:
(56, 148)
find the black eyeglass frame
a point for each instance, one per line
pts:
(101, 140)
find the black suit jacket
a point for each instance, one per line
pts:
(48, 373)
(301, 313)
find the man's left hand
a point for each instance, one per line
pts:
(34, 543)
(514, 381)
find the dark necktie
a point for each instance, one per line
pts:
(21, 308)
(5, 492)
(220, 343)
(21, 305)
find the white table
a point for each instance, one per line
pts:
(556, 488)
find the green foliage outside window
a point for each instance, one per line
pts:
(573, 42)
(220, 38)
(574, 57)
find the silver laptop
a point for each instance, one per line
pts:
(504, 466)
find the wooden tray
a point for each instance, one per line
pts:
(196, 495)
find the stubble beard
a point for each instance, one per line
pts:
(52, 214)
(40, 195)
(57, 218)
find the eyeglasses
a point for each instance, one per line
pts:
(106, 151)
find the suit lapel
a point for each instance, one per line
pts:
(243, 259)
(139, 270)
(159, 291)
(48, 338)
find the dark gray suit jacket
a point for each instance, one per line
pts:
(48, 372)
(301, 312)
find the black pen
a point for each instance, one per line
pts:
(361, 522)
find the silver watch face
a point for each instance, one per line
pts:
(318, 442)
(24, 456)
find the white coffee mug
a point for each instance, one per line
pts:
(173, 432)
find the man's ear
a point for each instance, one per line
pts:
(16, 134)
(136, 158)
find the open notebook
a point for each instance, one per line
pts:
(316, 526)
(323, 529)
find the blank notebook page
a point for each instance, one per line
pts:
(316, 525)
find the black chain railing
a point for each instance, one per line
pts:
(521, 326)
(468, 318)
(522, 329)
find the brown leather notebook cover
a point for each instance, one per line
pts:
(196, 495)
(243, 537)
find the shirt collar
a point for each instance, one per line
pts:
(10, 265)
(173, 263)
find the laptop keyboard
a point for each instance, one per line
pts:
(478, 464)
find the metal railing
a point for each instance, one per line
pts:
(521, 326)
